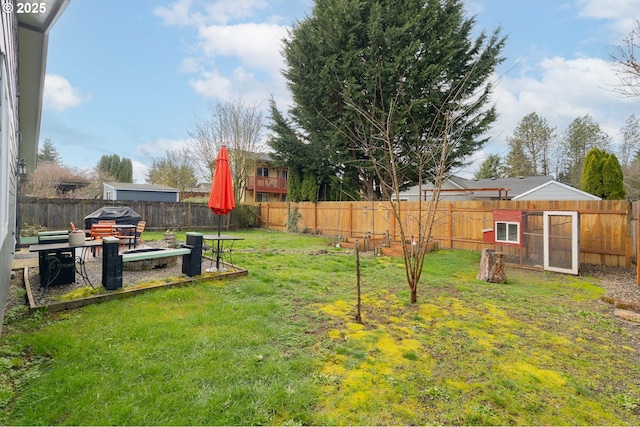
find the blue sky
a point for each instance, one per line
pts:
(130, 77)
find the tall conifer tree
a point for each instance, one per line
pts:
(418, 55)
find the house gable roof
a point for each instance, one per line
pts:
(518, 188)
(515, 186)
(582, 195)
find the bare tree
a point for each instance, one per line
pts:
(51, 180)
(626, 63)
(630, 141)
(431, 161)
(172, 169)
(236, 125)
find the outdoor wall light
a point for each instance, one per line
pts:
(21, 168)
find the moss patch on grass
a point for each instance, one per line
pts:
(281, 347)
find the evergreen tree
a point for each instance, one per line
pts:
(592, 172)
(602, 175)
(48, 152)
(415, 55)
(294, 186)
(303, 158)
(612, 179)
(309, 189)
(582, 135)
(490, 168)
(532, 138)
(114, 166)
(517, 163)
(121, 170)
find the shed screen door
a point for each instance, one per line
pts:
(561, 245)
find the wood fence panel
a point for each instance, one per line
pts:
(606, 227)
(334, 218)
(58, 213)
(605, 234)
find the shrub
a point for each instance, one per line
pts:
(292, 220)
(245, 215)
(27, 230)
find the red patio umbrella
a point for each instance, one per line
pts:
(221, 200)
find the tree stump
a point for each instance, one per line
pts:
(492, 267)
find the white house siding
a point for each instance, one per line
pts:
(8, 150)
(556, 191)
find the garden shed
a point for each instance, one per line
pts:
(140, 192)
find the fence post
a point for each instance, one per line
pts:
(315, 216)
(350, 219)
(268, 222)
(450, 225)
(188, 216)
(638, 252)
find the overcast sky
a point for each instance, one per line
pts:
(130, 77)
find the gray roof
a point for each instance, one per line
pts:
(141, 187)
(515, 186)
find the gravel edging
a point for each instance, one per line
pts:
(131, 280)
(621, 290)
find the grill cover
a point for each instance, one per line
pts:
(121, 215)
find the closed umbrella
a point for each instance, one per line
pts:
(221, 200)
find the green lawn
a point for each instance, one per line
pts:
(280, 347)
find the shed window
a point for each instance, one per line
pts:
(507, 232)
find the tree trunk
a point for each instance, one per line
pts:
(492, 267)
(414, 294)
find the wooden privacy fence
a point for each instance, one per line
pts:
(605, 226)
(56, 214)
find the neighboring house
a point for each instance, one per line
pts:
(267, 183)
(199, 191)
(521, 188)
(140, 192)
(23, 55)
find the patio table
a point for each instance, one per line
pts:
(222, 239)
(55, 271)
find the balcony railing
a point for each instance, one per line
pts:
(265, 184)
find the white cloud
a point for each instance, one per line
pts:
(158, 147)
(59, 94)
(212, 84)
(560, 90)
(177, 14)
(228, 60)
(622, 13)
(182, 12)
(256, 45)
(140, 171)
(222, 11)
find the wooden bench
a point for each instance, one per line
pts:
(112, 261)
(138, 256)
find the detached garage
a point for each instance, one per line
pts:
(140, 192)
